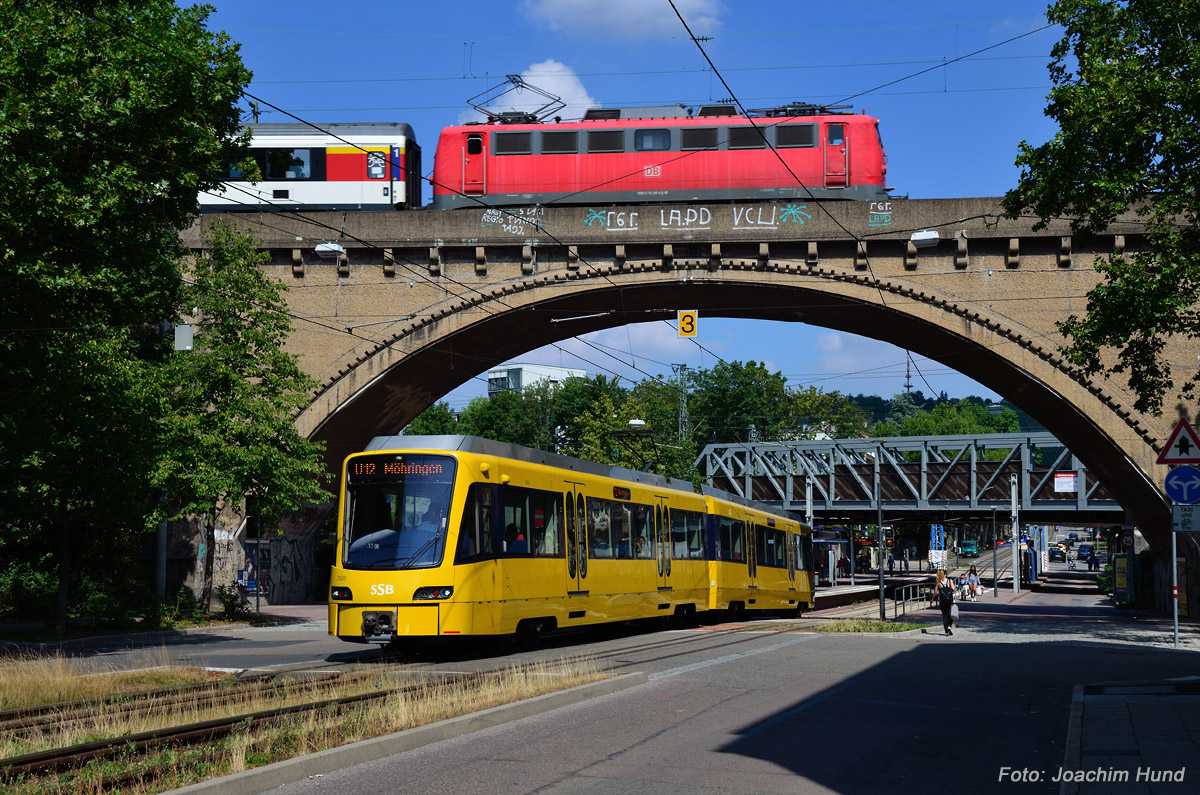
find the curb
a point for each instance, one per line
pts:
(299, 768)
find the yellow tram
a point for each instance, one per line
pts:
(450, 536)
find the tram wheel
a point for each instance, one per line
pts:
(530, 632)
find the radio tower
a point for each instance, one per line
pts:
(908, 372)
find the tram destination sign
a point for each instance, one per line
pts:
(1185, 518)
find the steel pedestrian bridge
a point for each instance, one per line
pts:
(917, 478)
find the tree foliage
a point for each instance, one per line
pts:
(1127, 101)
(228, 435)
(114, 114)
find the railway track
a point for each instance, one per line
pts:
(55, 760)
(139, 751)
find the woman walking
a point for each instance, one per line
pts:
(944, 588)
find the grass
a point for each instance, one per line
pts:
(29, 680)
(862, 625)
(248, 748)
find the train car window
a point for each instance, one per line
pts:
(475, 144)
(532, 522)
(795, 135)
(732, 534)
(475, 534)
(835, 134)
(698, 138)
(606, 141)
(746, 138)
(518, 143)
(771, 549)
(288, 164)
(599, 528)
(642, 532)
(376, 165)
(560, 143)
(686, 534)
(652, 140)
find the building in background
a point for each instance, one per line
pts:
(516, 377)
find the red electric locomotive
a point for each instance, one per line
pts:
(664, 154)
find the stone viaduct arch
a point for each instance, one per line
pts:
(422, 301)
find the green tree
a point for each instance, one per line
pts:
(114, 115)
(228, 436)
(572, 400)
(437, 420)
(500, 417)
(734, 401)
(1126, 97)
(830, 413)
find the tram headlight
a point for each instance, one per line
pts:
(436, 592)
(340, 594)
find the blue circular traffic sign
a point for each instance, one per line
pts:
(1183, 485)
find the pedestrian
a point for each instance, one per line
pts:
(1093, 561)
(944, 590)
(891, 564)
(973, 582)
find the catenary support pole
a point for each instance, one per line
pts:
(1016, 536)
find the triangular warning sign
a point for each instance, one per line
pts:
(1183, 447)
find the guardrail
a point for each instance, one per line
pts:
(914, 593)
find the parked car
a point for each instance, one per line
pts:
(1058, 553)
(1083, 552)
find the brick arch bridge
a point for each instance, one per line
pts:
(420, 302)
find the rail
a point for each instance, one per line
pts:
(914, 593)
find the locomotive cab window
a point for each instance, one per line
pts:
(835, 134)
(475, 144)
(606, 141)
(652, 140)
(795, 135)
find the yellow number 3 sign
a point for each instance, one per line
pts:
(687, 322)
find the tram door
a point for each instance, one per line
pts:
(751, 554)
(474, 163)
(577, 553)
(836, 155)
(662, 542)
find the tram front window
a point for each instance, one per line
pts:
(397, 507)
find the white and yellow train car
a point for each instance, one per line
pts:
(450, 536)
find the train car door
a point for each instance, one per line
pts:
(474, 163)
(836, 155)
(577, 551)
(662, 543)
(751, 554)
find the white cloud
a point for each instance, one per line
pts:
(636, 18)
(552, 77)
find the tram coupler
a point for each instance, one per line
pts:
(379, 626)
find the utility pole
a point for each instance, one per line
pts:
(685, 422)
(1016, 534)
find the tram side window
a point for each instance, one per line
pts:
(532, 522)
(732, 534)
(771, 550)
(475, 536)
(687, 534)
(608, 528)
(642, 533)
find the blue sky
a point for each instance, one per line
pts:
(951, 131)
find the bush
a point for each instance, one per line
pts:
(234, 604)
(27, 591)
